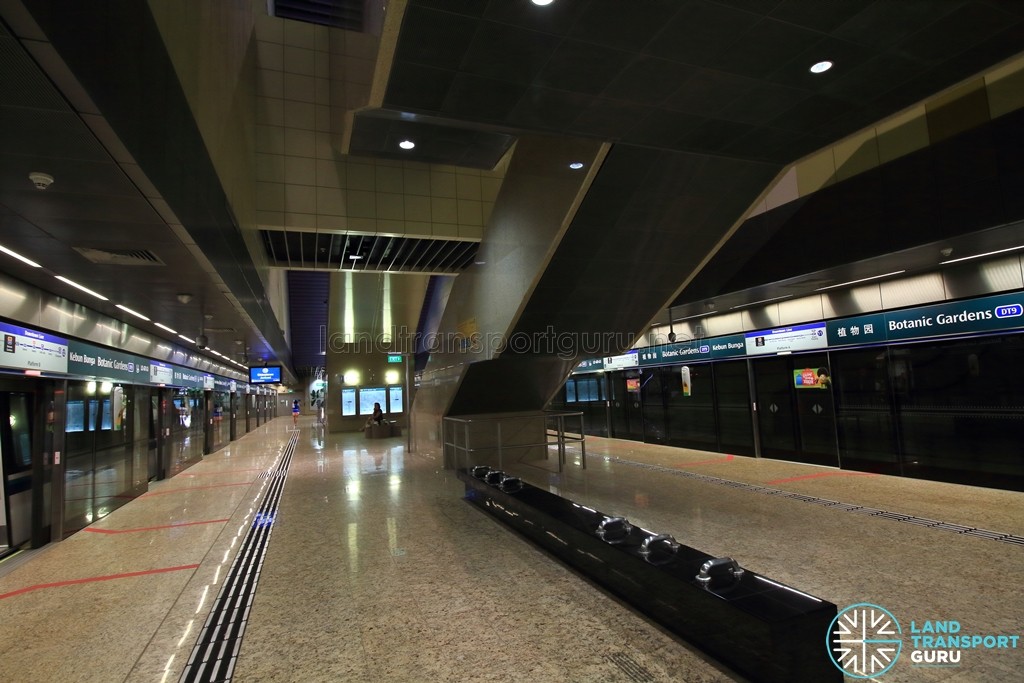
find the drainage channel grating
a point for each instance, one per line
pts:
(832, 504)
(216, 650)
(631, 667)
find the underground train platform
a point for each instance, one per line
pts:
(369, 565)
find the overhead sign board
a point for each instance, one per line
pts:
(590, 365)
(95, 361)
(988, 314)
(695, 350)
(269, 375)
(974, 316)
(160, 373)
(193, 379)
(627, 360)
(27, 349)
(786, 339)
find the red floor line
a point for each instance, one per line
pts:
(822, 474)
(193, 488)
(110, 577)
(706, 462)
(151, 528)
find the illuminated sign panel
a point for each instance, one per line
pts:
(271, 375)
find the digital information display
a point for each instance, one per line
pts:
(369, 396)
(348, 402)
(395, 399)
(787, 339)
(160, 373)
(270, 375)
(626, 360)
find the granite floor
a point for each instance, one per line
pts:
(375, 569)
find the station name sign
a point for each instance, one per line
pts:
(988, 314)
(695, 350)
(975, 316)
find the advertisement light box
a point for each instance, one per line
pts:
(271, 375)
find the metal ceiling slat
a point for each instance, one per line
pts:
(268, 242)
(385, 250)
(466, 250)
(428, 253)
(287, 250)
(343, 256)
(359, 251)
(345, 14)
(453, 248)
(403, 243)
(330, 252)
(416, 249)
(470, 255)
(375, 248)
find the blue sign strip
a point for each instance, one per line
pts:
(93, 361)
(695, 350)
(987, 314)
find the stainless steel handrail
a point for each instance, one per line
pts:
(449, 430)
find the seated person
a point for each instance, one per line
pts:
(377, 418)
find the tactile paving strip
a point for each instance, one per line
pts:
(831, 504)
(216, 651)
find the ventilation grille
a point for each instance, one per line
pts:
(346, 14)
(377, 253)
(120, 257)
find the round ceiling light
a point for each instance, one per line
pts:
(542, 3)
(406, 144)
(576, 165)
(821, 67)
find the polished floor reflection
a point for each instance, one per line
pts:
(376, 569)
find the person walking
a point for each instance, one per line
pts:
(295, 412)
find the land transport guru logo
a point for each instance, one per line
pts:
(865, 640)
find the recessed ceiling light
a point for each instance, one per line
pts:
(987, 253)
(128, 310)
(863, 279)
(190, 341)
(81, 287)
(542, 3)
(354, 257)
(406, 144)
(19, 257)
(821, 67)
(164, 327)
(762, 301)
(576, 165)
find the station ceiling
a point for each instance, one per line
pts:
(704, 102)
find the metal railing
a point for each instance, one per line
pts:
(468, 439)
